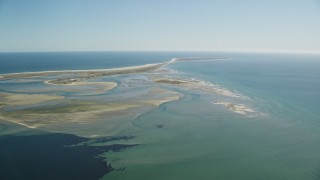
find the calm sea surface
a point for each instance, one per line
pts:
(204, 141)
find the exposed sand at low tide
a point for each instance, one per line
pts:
(100, 87)
(163, 96)
(26, 99)
(92, 112)
(196, 85)
(237, 108)
(76, 112)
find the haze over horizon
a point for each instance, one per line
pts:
(244, 25)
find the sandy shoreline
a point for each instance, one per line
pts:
(89, 73)
(111, 71)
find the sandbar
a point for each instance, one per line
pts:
(237, 108)
(100, 87)
(196, 85)
(162, 96)
(13, 99)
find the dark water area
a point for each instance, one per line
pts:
(54, 156)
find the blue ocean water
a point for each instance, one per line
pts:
(47, 61)
(282, 143)
(292, 79)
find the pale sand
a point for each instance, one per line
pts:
(16, 122)
(196, 85)
(84, 112)
(92, 112)
(157, 102)
(163, 96)
(108, 72)
(237, 108)
(26, 99)
(89, 73)
(106, 86)
(100, 87)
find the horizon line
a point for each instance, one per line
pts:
(239, 51)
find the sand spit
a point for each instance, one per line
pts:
(196, 85)
(237, 108)
(108, 72)
(89, 73)
(197, 59)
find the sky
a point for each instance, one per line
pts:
(160, 25)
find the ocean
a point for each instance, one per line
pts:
(203, 134)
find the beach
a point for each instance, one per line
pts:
(88, 73)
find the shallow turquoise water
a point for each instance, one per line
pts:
(206, 141)
(281, 144)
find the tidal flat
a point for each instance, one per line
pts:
(149, 102)
(81, 97)
(49, 110)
